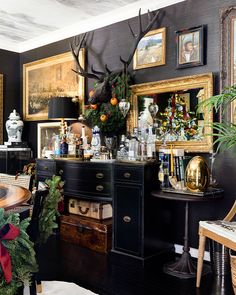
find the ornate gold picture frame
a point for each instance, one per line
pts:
(47, 78)
(228, 56)
(151, 50)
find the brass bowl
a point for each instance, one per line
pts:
(197, 174)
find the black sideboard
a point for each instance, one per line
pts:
(127, 186)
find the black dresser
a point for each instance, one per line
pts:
(127, 186)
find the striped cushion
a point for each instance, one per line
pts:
(225, 229)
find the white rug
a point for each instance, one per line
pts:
(60, 288)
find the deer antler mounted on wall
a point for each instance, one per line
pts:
(105, 80)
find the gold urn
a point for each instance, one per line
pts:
(197, 174)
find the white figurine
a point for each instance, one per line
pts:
(14, 127)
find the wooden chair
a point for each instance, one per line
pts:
(33, 231)
(221, 231)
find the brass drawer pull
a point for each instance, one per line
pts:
(127, 219)
(99, 188)
(99, 175)
(127, 175)
(60, 172)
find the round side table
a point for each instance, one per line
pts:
(185, 267)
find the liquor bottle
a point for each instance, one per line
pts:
(151, 147)
(64, 147)
(122, 153)
(133, 146)
(57, 146)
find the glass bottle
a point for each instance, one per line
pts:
(64, 147)
(57, 146)
(133, 146)
(122, 153)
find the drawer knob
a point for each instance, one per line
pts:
(127, 219)
(99, 175)
(45, 167)
(99, 188)
(60, 172)
(127, 175)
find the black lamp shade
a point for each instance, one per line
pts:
(62, 108)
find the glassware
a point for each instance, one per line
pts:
(110, 142)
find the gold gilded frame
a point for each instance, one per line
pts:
(204, 81)
(1, 108)
(47, 78)
(154, 51)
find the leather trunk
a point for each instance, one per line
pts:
(87, 232)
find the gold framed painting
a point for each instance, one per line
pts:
(1, 109)
(45, 137)
(228, 58)
(47, 78)
(151, 50)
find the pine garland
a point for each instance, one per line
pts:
(22, 254)
(49, 213)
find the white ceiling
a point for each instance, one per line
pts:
(28, 24)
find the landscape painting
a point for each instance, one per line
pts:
(151, 50)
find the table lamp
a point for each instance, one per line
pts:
(62, 108)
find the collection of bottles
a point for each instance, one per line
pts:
(139, 146)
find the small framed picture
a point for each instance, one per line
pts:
(151, 50)
(46, 133)
(191, 47)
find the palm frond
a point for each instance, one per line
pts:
(217, 101)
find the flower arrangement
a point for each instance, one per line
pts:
(107, 115)
(17, 253)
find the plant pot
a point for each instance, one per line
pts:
(233, 268)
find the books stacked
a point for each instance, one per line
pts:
(172, 167)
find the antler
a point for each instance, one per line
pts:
(139, 36)
(82, 72)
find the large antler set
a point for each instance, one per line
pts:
(102, 92)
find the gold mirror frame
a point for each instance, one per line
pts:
(204, 81)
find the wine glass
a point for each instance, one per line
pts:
(110, 142)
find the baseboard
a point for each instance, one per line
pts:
(193, 252)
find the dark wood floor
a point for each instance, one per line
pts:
(105, 275)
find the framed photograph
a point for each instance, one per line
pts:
(47, 78)
(151, 50)
(45, 134)
(190, 47)
(228, 57)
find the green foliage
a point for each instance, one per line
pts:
(217, 101)
(47, 218)
(114, 122)
(224, 133)
(22, 254)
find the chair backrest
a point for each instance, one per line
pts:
(231, 213)
(22, 180)
(33, 230)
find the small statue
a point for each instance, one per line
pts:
(14, 127)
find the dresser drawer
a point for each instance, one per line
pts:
(46, 167)
(82, 171)
(77, 187)
(128, 173)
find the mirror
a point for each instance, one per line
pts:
(152, 101)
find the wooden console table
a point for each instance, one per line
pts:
(185, 267)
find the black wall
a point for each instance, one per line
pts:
(105, 47)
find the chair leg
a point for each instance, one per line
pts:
(201, 251)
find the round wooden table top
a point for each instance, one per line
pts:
(13, 195)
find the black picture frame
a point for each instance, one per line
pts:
(191, 47)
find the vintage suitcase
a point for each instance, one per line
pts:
(86, 232)
(90, 209)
